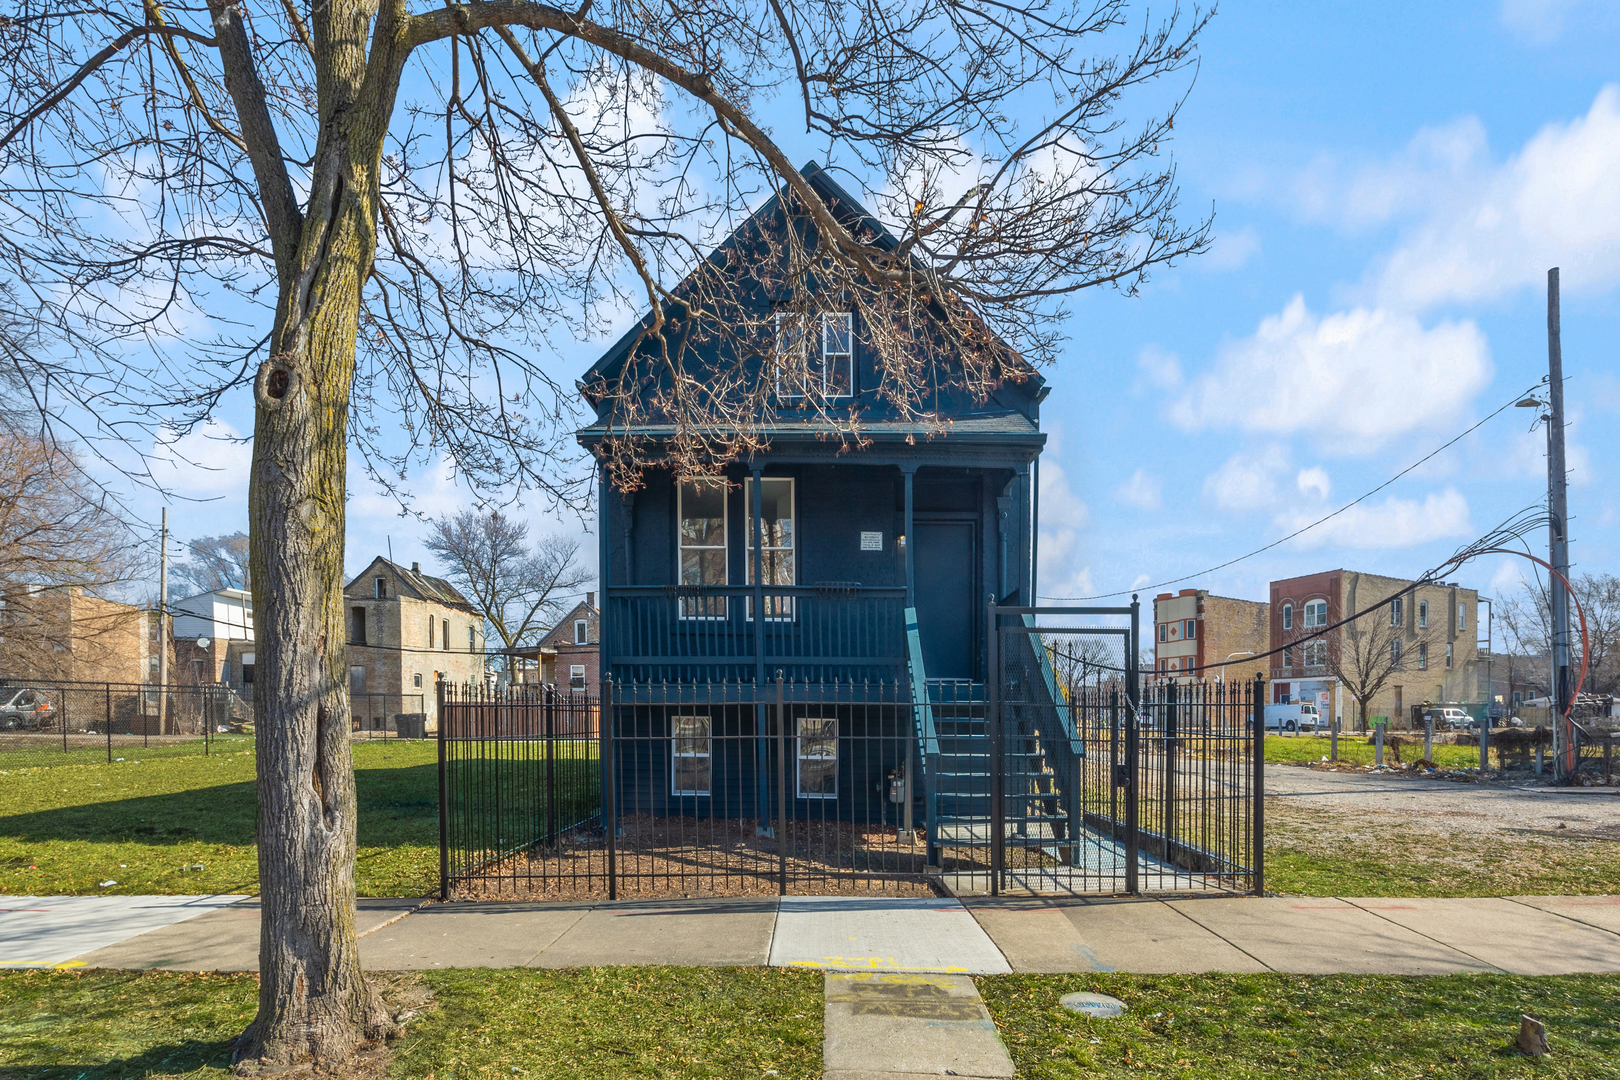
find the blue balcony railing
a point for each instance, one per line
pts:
(829, 632)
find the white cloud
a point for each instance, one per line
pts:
(1393, 523)
(205, 463)
(1248, 480)
(1233, 250)
(1540, 21)
(1063, 517)
(1161, 370)
(1141, 490)
(1314, 481)
(1353, 379)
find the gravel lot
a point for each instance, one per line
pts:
(1444, 806)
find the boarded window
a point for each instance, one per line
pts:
(357, 625)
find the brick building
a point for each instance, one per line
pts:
(67, 635)
(1432, 631)
(1197, 635)
(407, 630)
(570, 654)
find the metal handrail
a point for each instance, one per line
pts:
(1060, 704)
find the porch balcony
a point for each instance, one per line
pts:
(829, 632)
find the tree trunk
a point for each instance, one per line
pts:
(313, 998)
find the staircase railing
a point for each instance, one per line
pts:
(1060, 703)
(927, 736)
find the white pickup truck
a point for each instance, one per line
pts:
(1301, 716)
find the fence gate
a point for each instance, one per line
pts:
(1101, 784)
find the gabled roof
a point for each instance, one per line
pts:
(856, 216)
(407, 582)
(563, 632)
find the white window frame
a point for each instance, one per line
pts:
(582, 634)
(1462, 616)
(815, 378)
(576, 671)
(1423, 613)
(1164, 631)
(472, 639)
(1288, 616)
(1448, 656)
(706, 607)
(1189, 630)
(381, 586)
(1395, 651)
(1316, 654)
(706, 754)
(416, 680)
(1423, 656)
(800, 757)
(1397, 611)
(1315, 614)
(444, 633)
(1288, 657)
(774, 613)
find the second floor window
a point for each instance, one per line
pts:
(472, 639)
(1423, 656)
(357, 631)
(1191, 629)
(1448, 656)
(1462, 618)
(1164, 631)
(1395, 652)
(1396, 609)
(444, 635)
(703, 547)
(1423, 613)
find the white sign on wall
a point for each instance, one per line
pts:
(871, 541)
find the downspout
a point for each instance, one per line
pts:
(1035, 534)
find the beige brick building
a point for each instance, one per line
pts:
(66, 635)
(1197, 635)
(1432, 630)
(407, 630)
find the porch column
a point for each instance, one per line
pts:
(1003, 527)
(910, 473)
(756, 562)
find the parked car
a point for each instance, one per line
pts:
(1450, 719)
(1300, 716)
(23, 708)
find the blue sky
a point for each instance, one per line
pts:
(1389, 189)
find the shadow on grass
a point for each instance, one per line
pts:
(185, 1057)
(396, 806)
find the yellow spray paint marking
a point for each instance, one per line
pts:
(873, 963)
(42, 963)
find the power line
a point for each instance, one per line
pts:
(1301, 531)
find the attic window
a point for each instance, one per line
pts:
(824, 367)
(580, 632)
(382, 588)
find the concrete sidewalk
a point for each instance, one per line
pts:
(1521, 935)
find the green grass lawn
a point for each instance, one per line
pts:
(1355, 750)
(596, 1022)
(143, 821)
(1297, 1026)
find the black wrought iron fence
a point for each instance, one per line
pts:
(51, 722)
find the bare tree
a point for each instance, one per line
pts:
(518, 588)
(1365, 653)
(378, 219)
(217, 562)
(1526, 617)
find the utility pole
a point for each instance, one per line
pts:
(163, 625)
(1557, 529)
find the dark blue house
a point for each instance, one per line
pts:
(861, 575)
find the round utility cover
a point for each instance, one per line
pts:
(1100, 1006)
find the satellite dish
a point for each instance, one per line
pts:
(203, 643)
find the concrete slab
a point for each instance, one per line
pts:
(696, 933)
(1511, 937)
(893, 1025)
(468, 935)
(1602, 912)
(1150, 937)
(1033, 935)
(1321, 936)
(51, 931)
(224, 940)
(882, 934)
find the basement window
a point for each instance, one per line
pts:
(818, 757)
(691, 755)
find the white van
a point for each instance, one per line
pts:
(1301, 716)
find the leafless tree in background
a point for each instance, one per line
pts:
(1526, 617)
(382, 221)
(1364, 654)
(217, 562)
(520, 589)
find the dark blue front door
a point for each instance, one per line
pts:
(947, 596)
